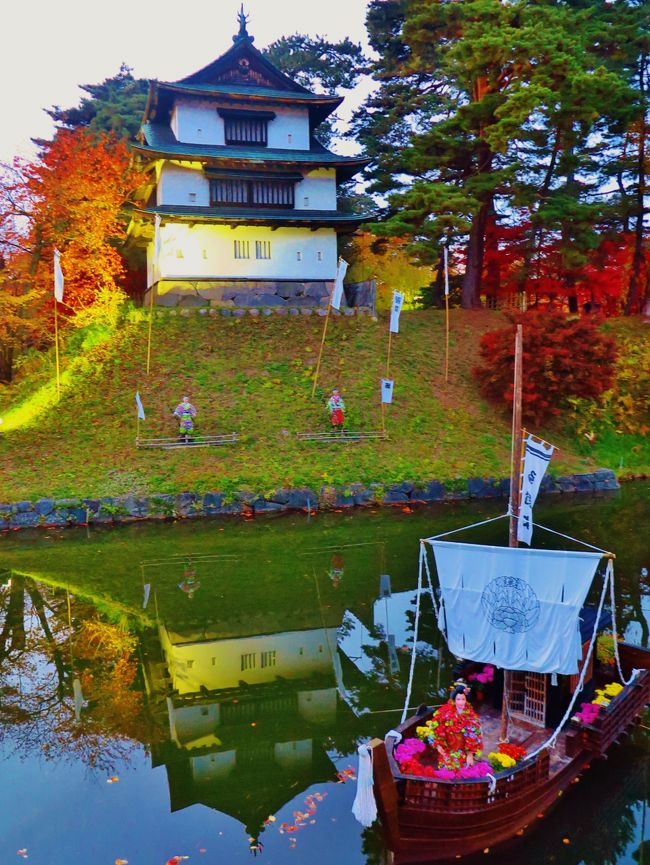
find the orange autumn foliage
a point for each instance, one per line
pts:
(78, 189)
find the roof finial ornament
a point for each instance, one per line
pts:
(243, 34)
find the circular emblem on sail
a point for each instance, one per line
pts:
(511, 605)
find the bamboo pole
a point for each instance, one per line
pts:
(322, 343)
(515, 492)
(56, 350)
(153, 289)
(446, 265)
(515, 470)
(383, 404)
(446, 337)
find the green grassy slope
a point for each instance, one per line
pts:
(253, 376)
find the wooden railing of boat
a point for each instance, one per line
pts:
(626, 708)
(420, 814)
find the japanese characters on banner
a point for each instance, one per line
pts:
(337, 294)
(537, 456)
(387, 390)
(396, 308)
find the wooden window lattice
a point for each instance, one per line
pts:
(249, 661)
(262, 249)
(252, 193)
(245, 130)
(242, 249)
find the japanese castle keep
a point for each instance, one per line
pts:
(240, 207)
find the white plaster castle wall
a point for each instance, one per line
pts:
(178, 185)
(217, 664)
(199, 123)
(290, 129)
(208, 251)
(317, 191)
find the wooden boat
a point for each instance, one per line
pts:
(427, 820)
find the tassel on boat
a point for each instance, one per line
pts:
(364, 806)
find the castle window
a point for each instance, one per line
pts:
(271, 193)
(229, 192)
(252, 193)
(268, 658)
(319, 256)
(298, 256)
(245, 127)
(248, 661)
(262, 249)
(242, 249)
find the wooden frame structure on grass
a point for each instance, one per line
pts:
(197, 441)
(341, 437)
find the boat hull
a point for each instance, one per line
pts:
(425, 820)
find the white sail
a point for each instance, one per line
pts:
(512, 607)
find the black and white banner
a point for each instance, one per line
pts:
(537, 456)
(387, 390)
(337, 294)
(396, 308)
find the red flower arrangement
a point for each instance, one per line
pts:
(516, 752)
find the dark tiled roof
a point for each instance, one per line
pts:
(160, 140)
(252, 215)
(246, 90)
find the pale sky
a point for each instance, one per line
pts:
(49, 48)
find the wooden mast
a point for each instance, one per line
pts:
(515, 494)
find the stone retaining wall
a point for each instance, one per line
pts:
(124, 509)
(243, 293)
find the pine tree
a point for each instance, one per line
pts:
(490, 111)
(115, 106)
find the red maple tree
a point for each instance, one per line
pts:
(562, 357)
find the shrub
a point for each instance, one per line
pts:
(562, 358)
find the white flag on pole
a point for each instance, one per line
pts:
(138, 403)
(337, 294)
(396, 308)
(446, 260)
(537, 456)
(58, 277)
(387, 390)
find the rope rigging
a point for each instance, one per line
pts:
(608, 584)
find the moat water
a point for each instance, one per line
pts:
(199, 689)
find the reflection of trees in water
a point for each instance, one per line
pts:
(42, 650)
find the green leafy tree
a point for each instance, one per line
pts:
(489, 111)
(320, 65)
(115, 106)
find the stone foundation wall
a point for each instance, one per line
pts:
(228, 294)
(124, 509)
